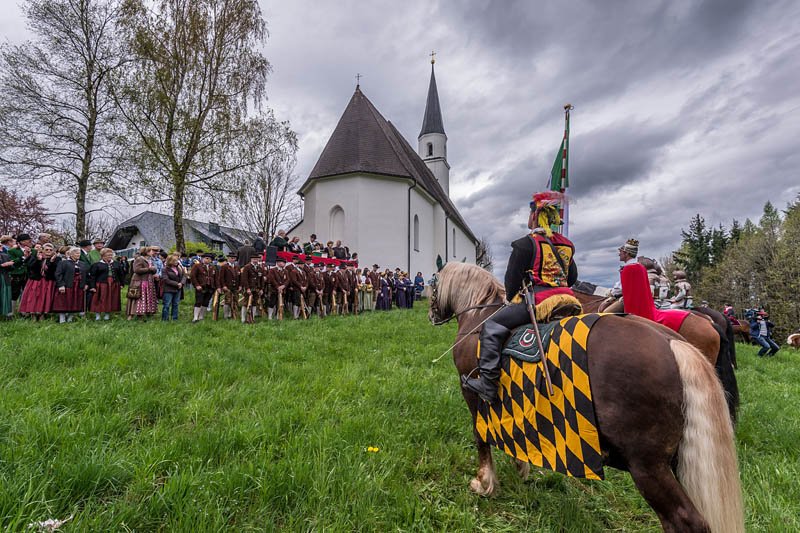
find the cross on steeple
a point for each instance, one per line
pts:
(433, 57)
(358, 80)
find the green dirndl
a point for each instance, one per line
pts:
(5, 297)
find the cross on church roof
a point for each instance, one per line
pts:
(358, 80)
(433, 57)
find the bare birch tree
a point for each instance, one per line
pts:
(54, 107)
(196, 66)
(267, 199)
(483, 256)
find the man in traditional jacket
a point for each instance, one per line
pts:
(277, 280)
(548, 259)
(203, 277)
(86, 247)
(343, 289)
(352, 277)
(375, 281)
(316, 288)
(228, 284)
(328, 273)
(298, 283)
(250, 286)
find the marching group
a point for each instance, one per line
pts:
(41, 280)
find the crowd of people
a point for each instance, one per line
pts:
(39, 280)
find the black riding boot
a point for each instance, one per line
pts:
(493, 337)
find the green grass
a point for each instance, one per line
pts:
(221, 426)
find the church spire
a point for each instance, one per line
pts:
(432, 121)
(432, 138)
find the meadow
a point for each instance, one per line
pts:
(275, 426)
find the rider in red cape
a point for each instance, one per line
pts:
(547, 258)
(637, 295)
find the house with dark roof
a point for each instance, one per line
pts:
(385, 200)
(154, 229)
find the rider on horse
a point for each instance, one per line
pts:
(547, 259)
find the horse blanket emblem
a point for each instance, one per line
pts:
(522, 343)
(557, 432)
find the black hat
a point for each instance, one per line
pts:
(220, 258)
(255, 256)
(309, 259)
(85, 242)
(295, 259)
(23, 237)
(98, 240)
(280, 260)
(232, 254)
(375, 266)
(209, 255)
(317, 265)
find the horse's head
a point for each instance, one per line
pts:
(460, 286)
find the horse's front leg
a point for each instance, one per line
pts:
(485, 481)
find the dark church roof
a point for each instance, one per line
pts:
(365, 142)
(432, 123)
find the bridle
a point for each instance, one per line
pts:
(436, 320)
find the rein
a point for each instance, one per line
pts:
(465, 336)
(456, 315)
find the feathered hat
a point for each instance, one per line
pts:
(545, 205)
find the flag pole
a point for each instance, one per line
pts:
(564, 168)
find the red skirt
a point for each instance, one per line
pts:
(107, 298)
(71, 300)
(37, 298)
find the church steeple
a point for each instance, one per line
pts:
(432, 138)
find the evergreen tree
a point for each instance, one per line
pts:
(695, 252)
(736, 231)
(718, 243)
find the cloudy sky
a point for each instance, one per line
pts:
(680, 107)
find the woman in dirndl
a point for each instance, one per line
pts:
(105, 279)
(143, 285)
(70, 284)
(40, 291)
(6, 266)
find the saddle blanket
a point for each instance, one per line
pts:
(557, 432)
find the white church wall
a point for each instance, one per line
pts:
(370, 210)
(423, 258)
(464, 246)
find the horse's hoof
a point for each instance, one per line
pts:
(523, 469)
(478, 488)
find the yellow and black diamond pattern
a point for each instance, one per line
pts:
(557, 432)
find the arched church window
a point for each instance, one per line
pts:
(416, 233)
(430, 150)
(454, 242)
(336, 227)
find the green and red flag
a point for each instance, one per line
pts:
(559, 177)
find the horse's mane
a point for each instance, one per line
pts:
(463, 285)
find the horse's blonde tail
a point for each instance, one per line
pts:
(707, 465)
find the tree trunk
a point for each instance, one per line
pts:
(83, 181)
(80, 206)
(177, 212)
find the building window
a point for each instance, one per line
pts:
(416, 233)
(454, 242)
(430, 150)
(336, 227)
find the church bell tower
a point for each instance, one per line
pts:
(432, 139)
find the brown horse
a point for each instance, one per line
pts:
(708, 331)
(696, 329)
(657, 402)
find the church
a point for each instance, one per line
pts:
(382, 198)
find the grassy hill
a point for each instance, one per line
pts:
(221, 426)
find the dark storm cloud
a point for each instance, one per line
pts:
(681, 107)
